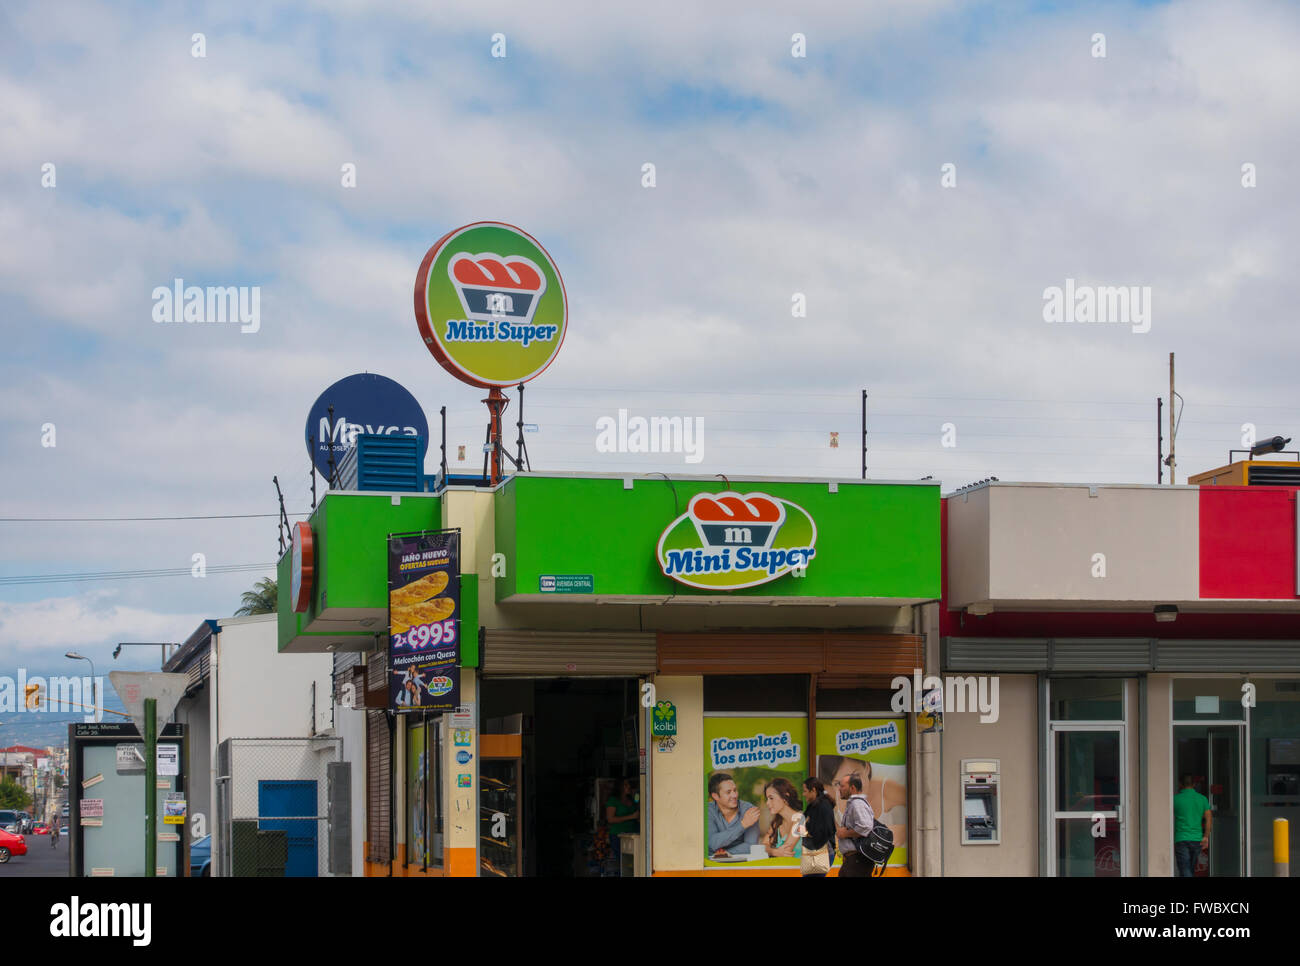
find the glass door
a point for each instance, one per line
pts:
(1087, 800)
(1211, 755)
(499, 847)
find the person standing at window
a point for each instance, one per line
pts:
(622, 810)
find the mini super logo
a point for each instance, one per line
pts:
(490, 304)
(727, 541)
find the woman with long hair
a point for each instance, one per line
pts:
(783, 805)
(819, 824)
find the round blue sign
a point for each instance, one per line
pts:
(463, 757)
(364, 403)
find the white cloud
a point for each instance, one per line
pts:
(91, 624)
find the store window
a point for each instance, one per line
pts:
(424, 833)
(1087, 699)
(856, 735)
(755, 760)
(759, 748)
(768, 693)
(1274, 770)
(1208, 699)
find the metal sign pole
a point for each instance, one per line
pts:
(151, 787)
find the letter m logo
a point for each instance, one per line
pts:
(737, 535)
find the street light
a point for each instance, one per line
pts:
(94, 682)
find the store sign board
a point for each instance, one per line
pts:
(424, 621)
(663, 722)
(566, 584)
(302, 568)
(490, 304)
(729, 540)
(362, 403)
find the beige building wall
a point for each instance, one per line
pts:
(1042, 539)
(968, 547)
(1160, 779)
(471, 510)
(1033, 543)
(1012, 739)
(677, 779)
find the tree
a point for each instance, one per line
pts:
(262, 599)
(13, 796)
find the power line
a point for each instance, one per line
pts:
(29, 579)
(141, 519)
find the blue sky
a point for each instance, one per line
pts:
(775, 175)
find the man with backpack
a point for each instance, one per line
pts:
(858, 822)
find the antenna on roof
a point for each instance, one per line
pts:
(283, 523)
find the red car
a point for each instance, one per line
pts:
(11, 844)
(40, 828)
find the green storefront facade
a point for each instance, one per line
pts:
(591, 603)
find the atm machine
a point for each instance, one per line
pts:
(980, 778)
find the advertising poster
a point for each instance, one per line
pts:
(875, 749)
(753, 773)
(424, 621)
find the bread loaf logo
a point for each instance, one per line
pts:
(727, 541)
(492, 287)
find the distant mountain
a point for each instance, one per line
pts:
(39, 729)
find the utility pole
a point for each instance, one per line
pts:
(150, 787)
(1172, 464)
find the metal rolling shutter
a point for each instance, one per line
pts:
(994, 654)
(1229, 655)
(1101, 654)
(568, 653)
(1116, 655)
(378, 783)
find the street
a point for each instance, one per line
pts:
(41, 859)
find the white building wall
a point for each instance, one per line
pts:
(266, 694)
(350, 725)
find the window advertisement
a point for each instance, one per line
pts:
(874, 749)
(754, 770)
(424, 621)
(417, 810)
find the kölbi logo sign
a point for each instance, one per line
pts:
(364, 403)
(727, 541)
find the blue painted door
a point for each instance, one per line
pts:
(285, 799)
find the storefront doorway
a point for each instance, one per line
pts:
(553, 750)
(1211, 754)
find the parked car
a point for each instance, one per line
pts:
(40, 828)
(11, 844)
(201, 857)
(9, 820)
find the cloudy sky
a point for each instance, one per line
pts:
(775, 175)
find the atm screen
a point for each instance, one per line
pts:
(1284, 751)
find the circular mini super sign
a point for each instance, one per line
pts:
(303, 568)
(490, 304)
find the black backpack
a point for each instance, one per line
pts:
(877, 846)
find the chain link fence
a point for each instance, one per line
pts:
(283, 808)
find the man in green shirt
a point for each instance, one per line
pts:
(1190, 809)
